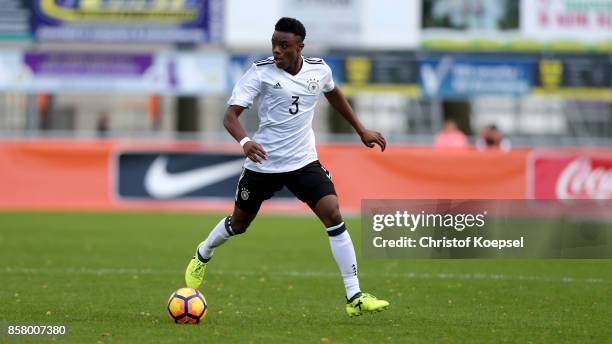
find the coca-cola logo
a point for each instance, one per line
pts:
(581, 180)
(571, 177)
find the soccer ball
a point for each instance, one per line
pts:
(187, 306)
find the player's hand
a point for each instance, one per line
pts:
(255, 152)
(371, 138)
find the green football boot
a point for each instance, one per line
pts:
(194, 275)
(365, 303)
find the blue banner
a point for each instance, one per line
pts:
(460, 76)
(175, 21)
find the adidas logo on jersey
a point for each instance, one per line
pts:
(277, 86)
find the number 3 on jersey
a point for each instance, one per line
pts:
(295, 110)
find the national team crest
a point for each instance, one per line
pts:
(244, 194)
(313, 86)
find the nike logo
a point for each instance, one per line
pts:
(159, 183)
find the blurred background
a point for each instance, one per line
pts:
(478, 98)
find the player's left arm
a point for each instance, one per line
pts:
(339, 102)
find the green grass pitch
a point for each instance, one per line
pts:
(107, 276)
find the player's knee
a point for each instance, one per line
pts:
(333, 216)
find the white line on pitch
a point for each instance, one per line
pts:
(415, 275)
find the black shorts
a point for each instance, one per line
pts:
(309, 184)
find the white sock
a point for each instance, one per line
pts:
(344, 253)
(216, 237)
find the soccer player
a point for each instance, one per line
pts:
(282, 153)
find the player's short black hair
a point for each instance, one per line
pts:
(291, 25)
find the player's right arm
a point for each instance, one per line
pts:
(252, 149)
(245, 91)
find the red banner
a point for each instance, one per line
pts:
(570, 175)
(90, 175)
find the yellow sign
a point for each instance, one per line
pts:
(551, 73)
(159, 11)
(358, 69)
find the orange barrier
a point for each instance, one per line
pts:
(424, 173)
(81, 175)
(54, 175)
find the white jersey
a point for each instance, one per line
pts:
(286, 110)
